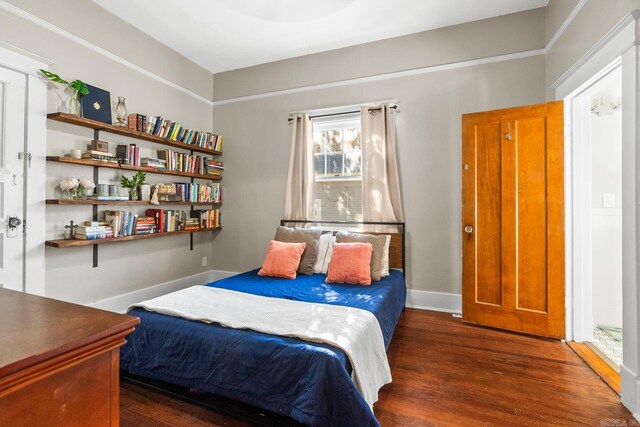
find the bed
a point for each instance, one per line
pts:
(307, 381)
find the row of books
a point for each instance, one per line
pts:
(181, 162)
(209, 218)
(129, 154)
(121, 223)
(158, 126)
(194, 192)
(168, 220)
(128, 224)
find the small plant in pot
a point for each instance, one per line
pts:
(133, 184)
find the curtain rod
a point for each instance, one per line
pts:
(370, 110)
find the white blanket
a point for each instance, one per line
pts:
(353, 330)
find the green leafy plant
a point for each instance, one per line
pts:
(133, 183)
(76, 85)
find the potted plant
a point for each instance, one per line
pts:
(74, 89)
(133, 184)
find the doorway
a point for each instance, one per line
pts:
(596, 183)
(606, 217)
(23, 132)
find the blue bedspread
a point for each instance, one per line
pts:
(309, 382)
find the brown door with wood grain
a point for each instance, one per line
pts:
(513, 219)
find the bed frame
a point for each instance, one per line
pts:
(248, 413)
(397, 258)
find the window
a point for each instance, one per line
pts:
(337, 152)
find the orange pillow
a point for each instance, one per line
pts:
(350, 263)
(282, 259)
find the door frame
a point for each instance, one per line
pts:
(578, 202)
(622, 42)
(35, 176)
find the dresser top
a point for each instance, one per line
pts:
(34, 329)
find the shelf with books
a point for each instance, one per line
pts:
(124, 202)
(94, 163)
(63, 243)
(119, 130)
(98, 157)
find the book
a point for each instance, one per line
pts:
(95, 223)
(122, 152)
(132, 121)
(107, 198)
(97, 153)
(99, 158)
(93, 236)
(85, 229)
(114, 218)
(158, 216)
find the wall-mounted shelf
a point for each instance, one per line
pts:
(97, 164)
(63, 243)
(90, 202)
(119, 130)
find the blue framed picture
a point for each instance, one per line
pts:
(96, 105)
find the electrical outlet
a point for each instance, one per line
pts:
(204, 261)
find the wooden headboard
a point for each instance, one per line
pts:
(397, 257)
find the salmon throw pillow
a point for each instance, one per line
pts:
(282, 259)
(350, 264)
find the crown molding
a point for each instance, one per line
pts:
(386, 76)
(4, 5)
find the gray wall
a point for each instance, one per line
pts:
(591, 24)
(257, 134)
(124, 267)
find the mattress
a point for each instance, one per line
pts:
(307, 381)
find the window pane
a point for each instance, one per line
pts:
(318, 139)
(353, 163)
(352, 139)
(334, 141)
(319, 164)
(334, 165)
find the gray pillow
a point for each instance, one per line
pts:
(377, 243)
(297, 235)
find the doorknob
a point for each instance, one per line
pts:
(14, 222)
(11, 223)
(468, 229)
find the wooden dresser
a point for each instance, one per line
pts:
(59, 362)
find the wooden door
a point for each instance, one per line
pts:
(513, 219)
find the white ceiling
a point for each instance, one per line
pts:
(222, 35)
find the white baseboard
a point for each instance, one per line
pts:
(434, 301)
(119, 303)
(421, 300)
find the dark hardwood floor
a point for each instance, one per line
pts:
(447, 373)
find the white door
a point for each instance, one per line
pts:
(12, 171)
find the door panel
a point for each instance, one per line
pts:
(531, 224)
(489, 165)
(12, 119)
(513, 260)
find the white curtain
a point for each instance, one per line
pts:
(300, 195)
(381, 198)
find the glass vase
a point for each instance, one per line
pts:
(81, 193)
(121, 112)
(72, 103)
(66, 195)
(133, 193)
